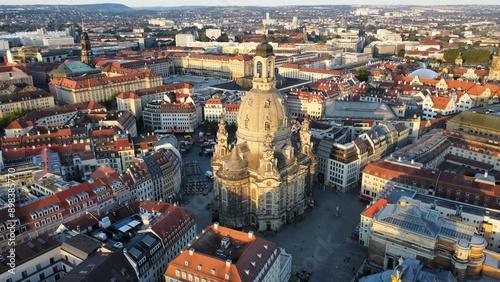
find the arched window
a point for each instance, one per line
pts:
(295, 188)
(282, 196)
(224, 195)
(254, 194)
(259, 69)
(269, 203)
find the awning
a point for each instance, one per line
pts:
(365, 198)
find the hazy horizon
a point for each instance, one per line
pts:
(159, 3)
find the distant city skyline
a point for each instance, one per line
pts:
(159, 3)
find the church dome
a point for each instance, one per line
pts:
(263, 112)
(264, 49)
(423, 73)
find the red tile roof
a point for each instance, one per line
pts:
(373, 209)
(440, 102)
(232, 107)
(128, 95)
(246, 261)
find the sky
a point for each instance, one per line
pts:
(167, 3)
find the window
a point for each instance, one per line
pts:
(269, 203)
(224, 194)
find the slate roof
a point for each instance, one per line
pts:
(81, 246)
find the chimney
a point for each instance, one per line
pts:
(485, 174)
(191, 251)
(250, 234)
(228, 263)
(216, 225)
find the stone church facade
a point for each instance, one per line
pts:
(264, 181)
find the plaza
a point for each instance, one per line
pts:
(320, 243)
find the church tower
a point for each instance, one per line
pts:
(459, 61)
(87, 56)
(495, 66)
(264, 181)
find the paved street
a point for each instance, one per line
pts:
(320, 243)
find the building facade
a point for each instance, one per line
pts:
(103, 86)
(263, 182)
(28, 98)
(458, 237)
(225, 66)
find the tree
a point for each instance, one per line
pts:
(231, 129)
(412, 37)
(204, 37)
(473, 56)
(238, 38)
(401, 53)
(362, 74)
(210, 127)
(223, 38)
(450, 55)
(10, 117)
(110, 104)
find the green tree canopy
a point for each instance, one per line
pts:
(412, 37)
(223, 38)
(401, 53)
(450, 55)
(231, 129)
(210, 127)
(362, 74)
(473, 56)
(12, 116)
(204, 37)
(238, 38)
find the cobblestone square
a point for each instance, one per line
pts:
(320, 243)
